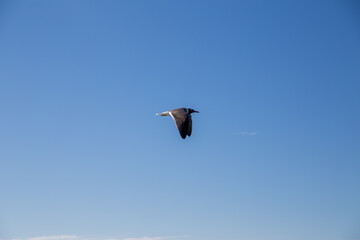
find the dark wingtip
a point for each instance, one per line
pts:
(183, 136)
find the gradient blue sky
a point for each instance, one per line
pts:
(275, 150)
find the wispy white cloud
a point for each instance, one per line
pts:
(245, 133)
(74, 237)
(155, 238)
(52, 237)
(55, 237)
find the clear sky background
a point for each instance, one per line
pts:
(275, 150)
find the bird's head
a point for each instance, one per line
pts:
(192, 111)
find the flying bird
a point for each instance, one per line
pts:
(182, 118)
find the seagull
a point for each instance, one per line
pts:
(182, 120)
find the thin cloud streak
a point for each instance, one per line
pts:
(245, 133)
(55, 237)
(74, 237)
(155, 238)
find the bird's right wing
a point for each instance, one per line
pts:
(181, 122)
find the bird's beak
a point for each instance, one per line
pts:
(196, 111)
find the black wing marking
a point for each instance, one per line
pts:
(190, 126)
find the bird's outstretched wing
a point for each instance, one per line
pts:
(182, 121)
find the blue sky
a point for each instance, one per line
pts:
(275, 149)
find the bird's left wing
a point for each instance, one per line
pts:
(189, 126)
